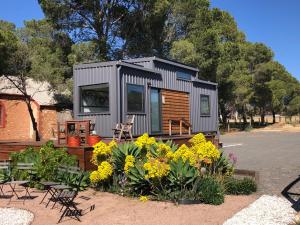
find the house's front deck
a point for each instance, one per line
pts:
(84, 152)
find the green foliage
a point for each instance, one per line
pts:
(78, 181)
(234, 186)
(136, 181)
(181, 175)
(46, 162)
(211, 190)
(120, 153)
(223, 166)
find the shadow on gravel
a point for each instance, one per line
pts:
(291, 196)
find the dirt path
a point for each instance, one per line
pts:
(111, 209)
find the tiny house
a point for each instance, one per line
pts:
(157, 91)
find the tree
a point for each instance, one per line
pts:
(8, 44)
(17, 72)
(36, 52)
(48, 53)
(210, 40)
(114, 26)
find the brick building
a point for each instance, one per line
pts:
(15, 122)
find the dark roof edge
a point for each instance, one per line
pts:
(205, 82)
(94, 64)
(167, 61)
(175, 64)
(138, 67)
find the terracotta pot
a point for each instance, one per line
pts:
(93, 139)
(73, 141)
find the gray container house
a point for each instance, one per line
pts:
(155, 90)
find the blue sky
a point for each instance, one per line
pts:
(273, 22)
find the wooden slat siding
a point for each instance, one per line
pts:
(176, 106)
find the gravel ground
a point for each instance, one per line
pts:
(15, 216)
(112, 209)
(267, 210)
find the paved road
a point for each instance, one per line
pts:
(276, 155)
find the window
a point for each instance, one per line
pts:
(2, 115)
(135, 98)
(183, 75)
(94, 98)
(204, 105)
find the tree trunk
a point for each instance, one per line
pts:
(33, 120)
(274, 116)
(244, 118)
(262, 118)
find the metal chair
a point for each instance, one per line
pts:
(5, 172)
(66, 199)
(56, 190)
(124, 129)
(22, 183)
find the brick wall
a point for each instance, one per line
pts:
(17, 124)
(48, 123)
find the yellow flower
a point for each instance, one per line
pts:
(156, 169)
(129, 163)
(105, 170)
(197, 139)
(100, 150)
(94, 177)
(145, 141)
(112, 144)
(207, 151)
(186, 153)
(143, 198)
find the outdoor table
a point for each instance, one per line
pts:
(55, 191)
(47, 186)
(22, 183)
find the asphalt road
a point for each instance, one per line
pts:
(275, 155)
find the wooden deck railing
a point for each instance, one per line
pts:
(182, 123)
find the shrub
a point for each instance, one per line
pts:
(211, 190)
(46, 162)
(234, 186)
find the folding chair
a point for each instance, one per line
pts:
(23, 183)
(5, 169)
(124, 129)
(56, 190)
(66, 199)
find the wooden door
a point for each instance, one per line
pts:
(175, 106)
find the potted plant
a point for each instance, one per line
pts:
(73, 139)
(93, 139)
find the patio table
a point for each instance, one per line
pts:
(22, 183)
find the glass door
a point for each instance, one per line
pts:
(155, 111)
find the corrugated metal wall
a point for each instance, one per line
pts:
(97, 75)
(133, 76)
(204, 123)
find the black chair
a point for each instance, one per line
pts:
(5, 176)
(26, 167)
(66, 199)
(56, 190)
(48, 184)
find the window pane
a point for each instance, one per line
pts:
(135, 98)
(183, 75)
(94, 98)
(204, 105)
